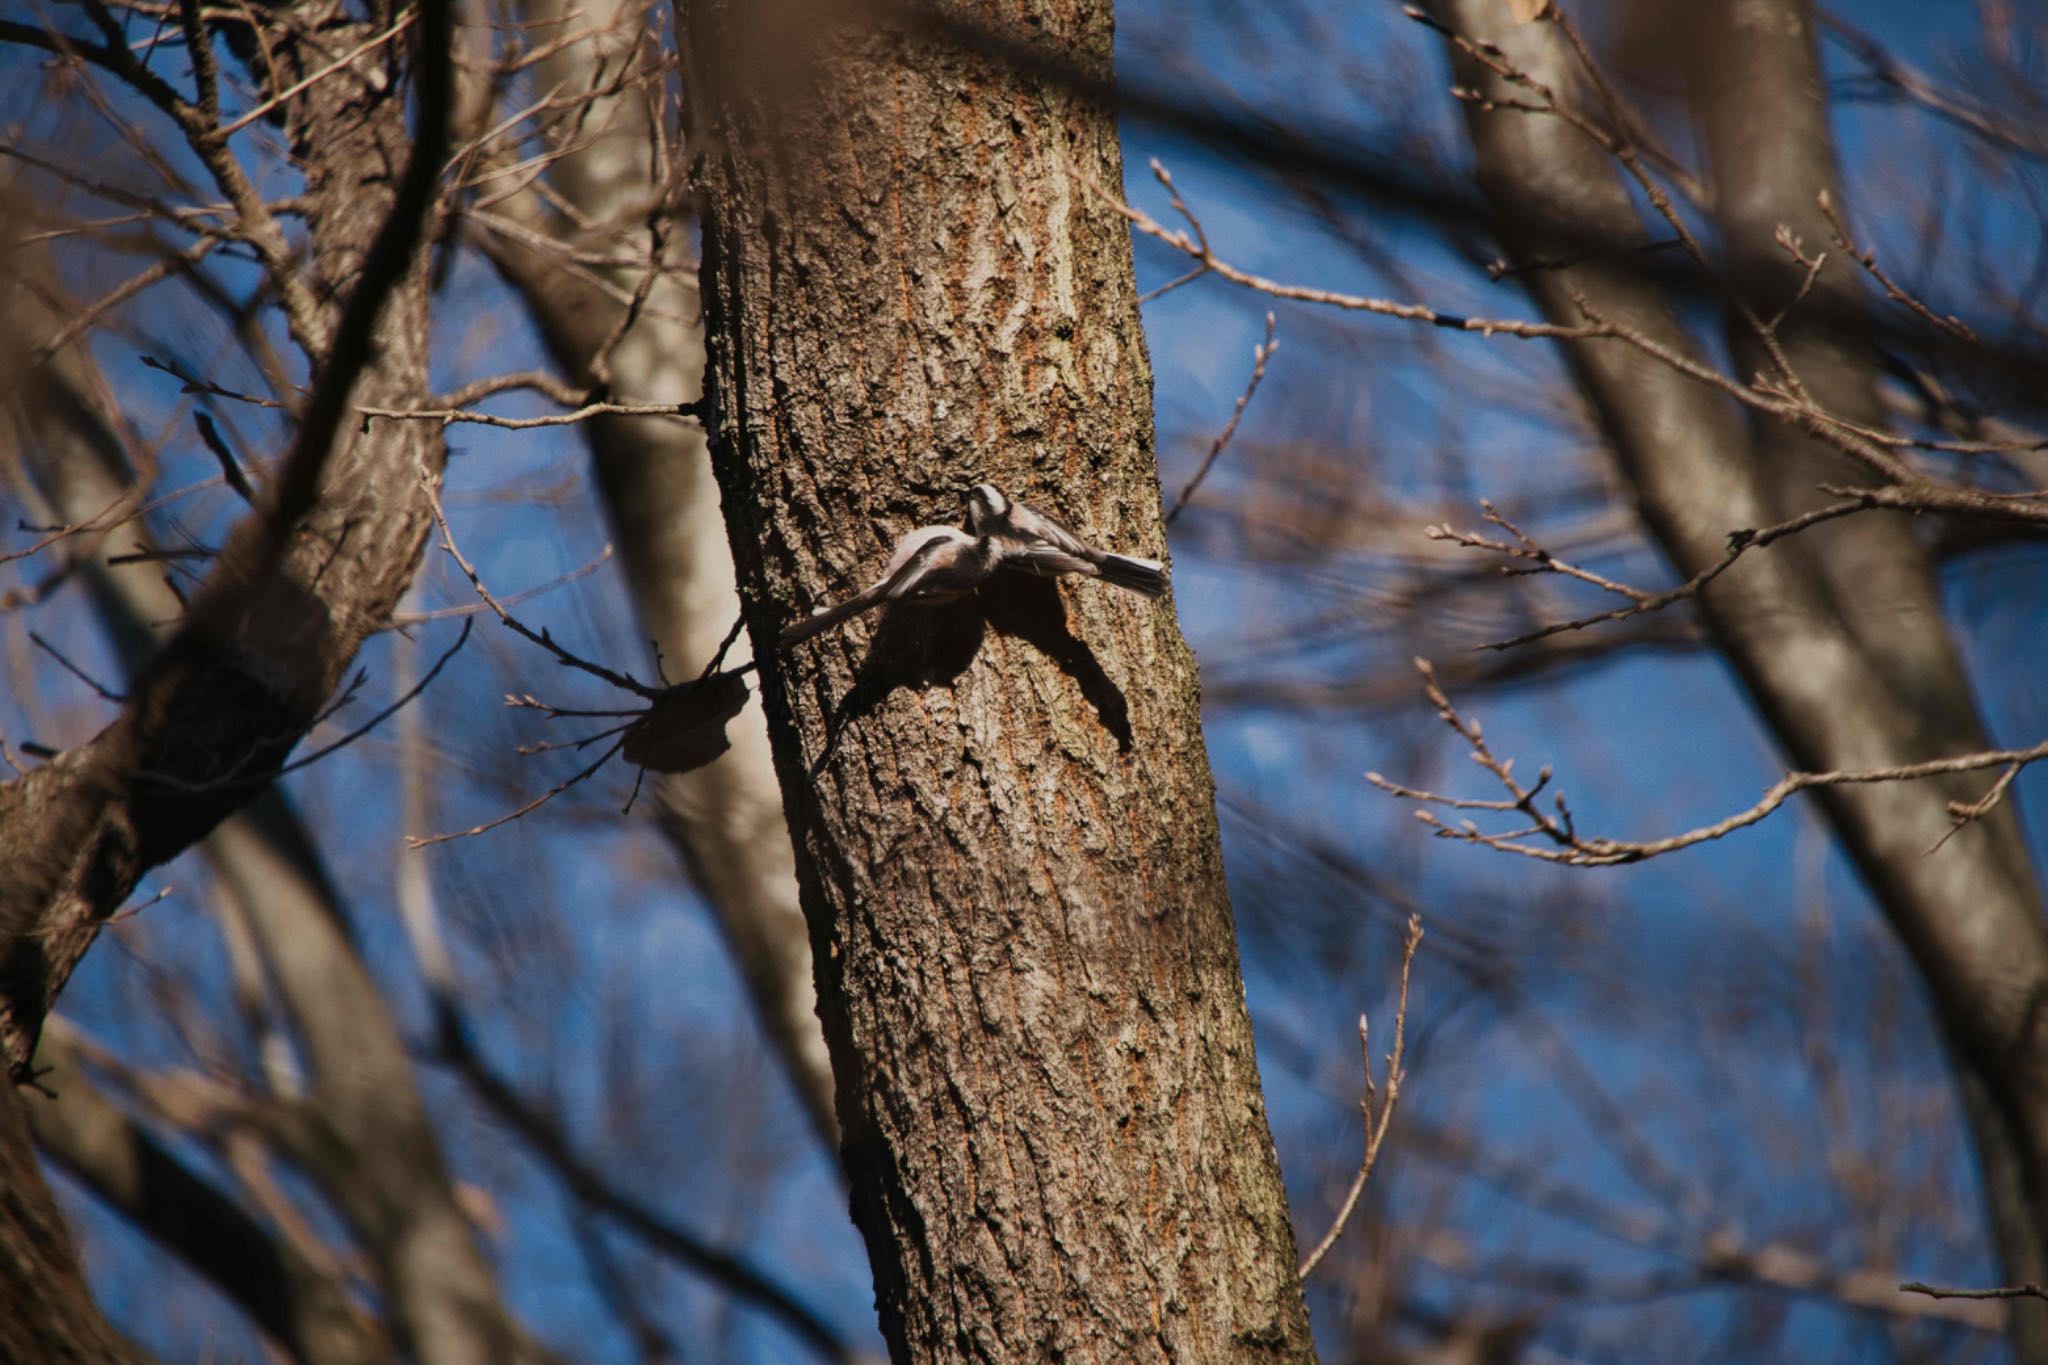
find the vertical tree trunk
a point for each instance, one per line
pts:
(1756, 85)
(1002, 808)
(1839, 658)
(654, 474)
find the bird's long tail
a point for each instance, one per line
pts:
(1147, 576)
(796, 632)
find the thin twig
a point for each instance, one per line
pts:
(451, 416)
(1740, 542)
(1949, 323)
(540, 637)
(1528, 549)
(85, 318)
(414, 841)
(194, 384)
(1566, 846)
(540, 381)
(374, 721)
(415, 618)
(1375, 1123)
(52, 534)
(2007, 1291)
(134, 908)
(230, 468)
(1261, 353)
(1963, 814)
(106, 694)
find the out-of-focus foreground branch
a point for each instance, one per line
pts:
(611, 174)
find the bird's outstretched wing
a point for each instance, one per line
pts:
(1055, 534)
(818, 622)
(1043, 557)
(909, 567)
(1051, 549)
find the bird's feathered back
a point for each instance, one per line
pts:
(1036, 542)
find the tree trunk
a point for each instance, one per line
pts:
(286, 607)
(1004, 820)
(654, 474)
(1840, 657)
(380, 1162)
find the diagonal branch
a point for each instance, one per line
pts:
(1376, 1123)
(456, 1046)
(1567, 846)
(1262, 353)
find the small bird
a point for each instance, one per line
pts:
(932, 564)
(1028, 540)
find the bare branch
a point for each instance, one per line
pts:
(621, 681)
(1262, 353)
(1865, 444)
(1566, 846)
(450, 416)
(414, 841)
(1963, 814)
(1866, 258)
(2010, 1291)
(590, 566)
(404, 699)
(1375, 1122)
(106, 693)
(1740, 543)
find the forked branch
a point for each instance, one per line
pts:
(1550, 835)
(1377, 1117)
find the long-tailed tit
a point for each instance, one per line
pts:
(1030, 540)
(932, 564)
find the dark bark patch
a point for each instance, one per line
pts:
(1030, 609)
(914, 647)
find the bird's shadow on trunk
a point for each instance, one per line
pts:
(913, 646)
(924, 646)
(1030, 609)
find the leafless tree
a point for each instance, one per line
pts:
(291, 478)
(995, 802)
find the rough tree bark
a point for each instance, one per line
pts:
(1004, 820)
(1841, 644)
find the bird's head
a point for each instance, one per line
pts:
(986, 505)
